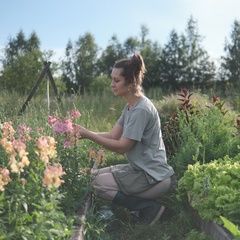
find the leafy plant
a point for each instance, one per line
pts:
(213, 188)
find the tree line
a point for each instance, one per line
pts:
(181, 62)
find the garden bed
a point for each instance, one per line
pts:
(81, 215)
(210, 228)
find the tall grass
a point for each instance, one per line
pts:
(98, 112)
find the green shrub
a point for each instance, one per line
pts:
(208, 136)
(198, 131)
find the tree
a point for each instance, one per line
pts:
(22, 63)
(199, 67)
(131, 45)
(230, 66)
(172, 61)
(68, 74)
(184, 60)
(23, 73)
(151, 52)
(18, 46)
(79, 68)
(113, 52)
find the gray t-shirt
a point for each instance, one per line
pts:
(142, 123)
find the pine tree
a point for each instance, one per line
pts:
(230, 66)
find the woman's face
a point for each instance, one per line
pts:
(118, 85)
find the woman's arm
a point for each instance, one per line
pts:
(112, 140)
(115, 133)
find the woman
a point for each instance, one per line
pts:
(137, 134)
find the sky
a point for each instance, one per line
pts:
(58, 21)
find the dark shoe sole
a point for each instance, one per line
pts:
(158, 215)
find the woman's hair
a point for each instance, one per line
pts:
(133, 71)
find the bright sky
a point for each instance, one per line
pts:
(57, 21)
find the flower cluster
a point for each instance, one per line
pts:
(46, 148)
(75, 113)
(98, 156)
(24, 133)
(67, 127)
(7, 130)
(15, 143)
(52, 176)
(17, 151)
(4, 178)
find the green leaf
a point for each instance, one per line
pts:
(230, 226)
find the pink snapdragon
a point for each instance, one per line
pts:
(24, 132)
(67, 127)
(75, 113)
(52, 120)
(67, 143)
(63, 126)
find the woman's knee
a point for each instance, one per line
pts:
(104, 186)
(104, 180)
(95, 182)
(101, 170)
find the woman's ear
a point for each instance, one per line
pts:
(130, 87)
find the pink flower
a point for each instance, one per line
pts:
(4, 171)
(18, 145)
(63, 126)
(215, 98)
(101, 152)
(67, 143)
(52, 120)
(23, 129)
(75, 113)
(42, 142)
(68, 127)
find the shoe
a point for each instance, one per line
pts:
(157, 217)
(149, 210)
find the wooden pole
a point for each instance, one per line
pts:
(35, 87)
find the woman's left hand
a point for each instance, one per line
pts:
(81, 131)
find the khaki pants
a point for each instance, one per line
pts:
(106, 186)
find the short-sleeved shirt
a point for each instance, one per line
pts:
(142, 124)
